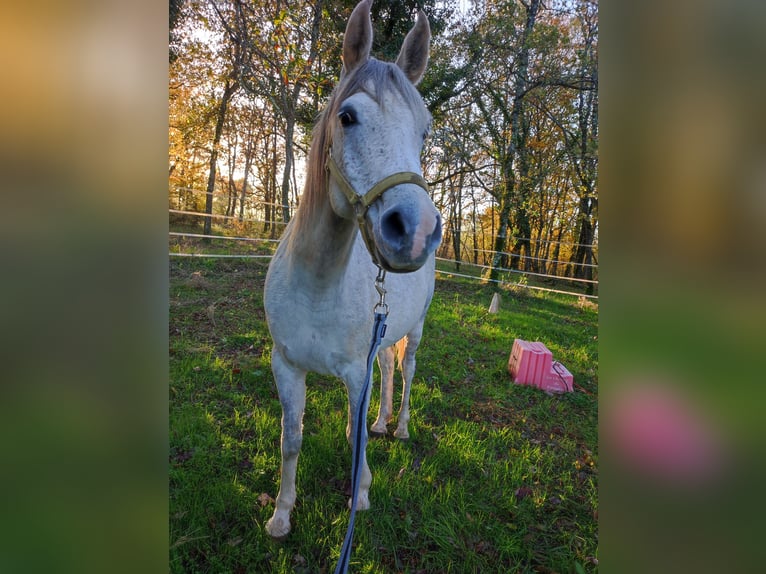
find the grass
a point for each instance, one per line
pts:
(495, 477)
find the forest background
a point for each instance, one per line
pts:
(512, 157)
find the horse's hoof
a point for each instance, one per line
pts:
(377, 434)
(362, 503)
(401, 435)
(277, 529)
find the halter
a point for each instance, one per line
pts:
(361, 203)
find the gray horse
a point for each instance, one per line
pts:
(363, 173)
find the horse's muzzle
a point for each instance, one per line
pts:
(406, 236)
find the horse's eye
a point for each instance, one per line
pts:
(347, 117)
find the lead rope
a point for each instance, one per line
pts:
(380, 312)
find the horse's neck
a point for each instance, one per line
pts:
(322, 246)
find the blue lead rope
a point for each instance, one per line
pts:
(360, 441)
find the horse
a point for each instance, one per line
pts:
(319, 293)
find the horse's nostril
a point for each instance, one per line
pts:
(394, 227)
(436, 236)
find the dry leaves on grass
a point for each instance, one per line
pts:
(264, 499)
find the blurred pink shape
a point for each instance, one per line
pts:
(659, 432)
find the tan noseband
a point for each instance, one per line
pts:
(361, 203)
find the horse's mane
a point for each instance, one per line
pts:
(374, 74)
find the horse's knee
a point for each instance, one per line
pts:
(291, 444)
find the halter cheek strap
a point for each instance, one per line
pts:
(361, 203)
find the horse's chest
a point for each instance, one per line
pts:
(321, 350)
(320, 336)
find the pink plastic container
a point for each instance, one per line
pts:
(531, 363)
(558, 380)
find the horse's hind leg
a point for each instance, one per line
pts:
(406, 352)
(291, 384)
(386, 359)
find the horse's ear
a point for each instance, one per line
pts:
(357, 41)
(413, 56)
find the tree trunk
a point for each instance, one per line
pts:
(474, 237)
(272, 203)
(457, 228)
(268, 175)
(285, 197)
(231, 199)
(586, 167)
(557, 250)
(230, 89)
(549, 236)
(500, 259)
(250, 146)
(243, 194)
(289, 102)
(582, 257)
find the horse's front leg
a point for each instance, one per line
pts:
(291, 385)
(386, 364)
(354, 398)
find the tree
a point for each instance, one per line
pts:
(203, 81)
(511, 85)
(278, 53)
(522, 56)
(515, 190)
(230, 87)
(584, 146)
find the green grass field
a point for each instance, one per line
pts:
(495, 477)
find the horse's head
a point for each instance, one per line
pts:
(377, 126)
